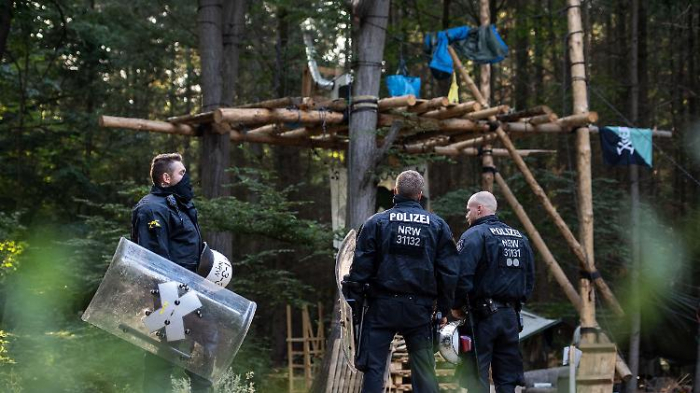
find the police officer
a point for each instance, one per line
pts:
(165, 222)
(408, 258)
(496, 278)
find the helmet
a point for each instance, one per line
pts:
(215, 267)
(448, 342)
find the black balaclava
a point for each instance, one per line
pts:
(183, 189)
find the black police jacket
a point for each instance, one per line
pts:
(407, 250)
(168, 227)
(496, 262)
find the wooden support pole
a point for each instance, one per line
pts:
(574, 245)
(258, 115)
(583, 162)
(290, 349)
(453, 111)
(561, 125)
(539, 244)
(147, 125)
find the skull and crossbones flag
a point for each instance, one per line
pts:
(626, 146)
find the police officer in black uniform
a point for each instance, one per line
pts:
(408, 258)
(165, 222)
(496, 278)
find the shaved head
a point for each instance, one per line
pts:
(481, 204)
(486, 199)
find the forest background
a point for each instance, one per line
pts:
(67, 186)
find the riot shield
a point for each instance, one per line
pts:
(167, 310)
(342, 267)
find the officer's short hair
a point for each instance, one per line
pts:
(409, 184)
(163, 163)
(485, 199)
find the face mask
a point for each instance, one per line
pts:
(183, 189)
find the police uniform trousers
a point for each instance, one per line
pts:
(409, 316)
(496, 343)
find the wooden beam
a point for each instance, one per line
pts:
(540, 245)
(260, 115)
(197, 118)
(453, 111)
(277, 140)
(284, 102)
(488, 112)
(340, 104)
(561, 125)
(531, 112)
(472, 142)
(473, 151)
(559, 223)
(428, 105)
(269, 129)
(146, 125)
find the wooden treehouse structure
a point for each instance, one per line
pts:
(438, 127)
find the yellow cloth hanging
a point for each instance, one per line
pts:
(453, 95)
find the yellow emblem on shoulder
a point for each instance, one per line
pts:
(153, 224)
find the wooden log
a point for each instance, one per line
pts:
(284, 102)
(276, 140)
(397, 102)
(472, 142)
(337, 105)
(146, 125)
(197, 118)
(428, 105)
(541, 119)
(297, 133)
(574, 245)
(561, 125)
(577, 120)
(540, 245)
(424, 146)
(531, 112)
(257, 115)
(488, 112)
(473, 151)
(453, 111)
(270, 129)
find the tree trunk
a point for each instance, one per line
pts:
(522, 32)
(5, 19)
(216, 146)
(635, 266)
(369, 43)
(233, 24)
(485, 88)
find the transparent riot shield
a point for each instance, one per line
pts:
(167, 310)
(348, 331)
